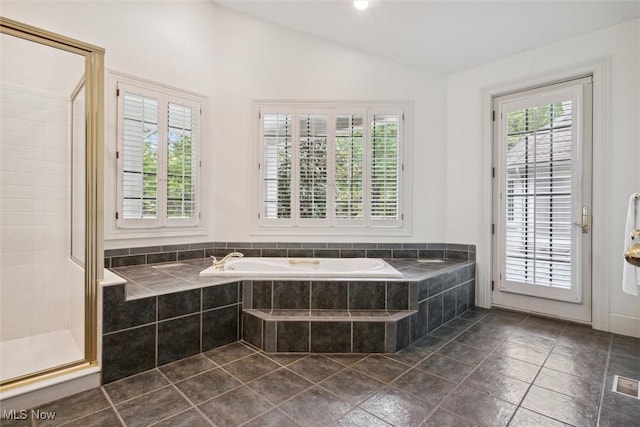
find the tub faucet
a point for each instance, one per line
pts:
(219, 265)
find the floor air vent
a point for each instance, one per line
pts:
(626, 386)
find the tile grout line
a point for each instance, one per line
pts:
(113, 406)
(436, 407)
(172, 384)
(519, 405)
(604, 380)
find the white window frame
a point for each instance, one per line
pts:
(331, 225)
(165, 95)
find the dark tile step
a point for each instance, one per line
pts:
(327, 331)
(331, 315)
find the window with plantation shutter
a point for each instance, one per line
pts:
(158, 166)
(331, 165)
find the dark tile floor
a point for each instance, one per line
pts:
(484, 368)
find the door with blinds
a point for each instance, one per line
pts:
(542, 200)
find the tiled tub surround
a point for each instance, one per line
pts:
(115, 258)
(355, 316)
(167, 311)
(175, 317)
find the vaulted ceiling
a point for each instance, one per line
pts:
(438, 35)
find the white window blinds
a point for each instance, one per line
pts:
(384, 166)
(277, 131)
(140, 135)
(312, 154)
(158, 137)
(349, 162)
(181, 161)
(330, 166)
(539, 159)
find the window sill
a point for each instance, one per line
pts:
(150, 233)
(331, 231)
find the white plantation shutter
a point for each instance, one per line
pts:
(182, 161)
(539, 206)
(312, 172)
(158, 166)
(385, 166)
(330, 165)
(140, 156)
(277, 131)
(349, 164)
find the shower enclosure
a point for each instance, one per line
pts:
(51, 135)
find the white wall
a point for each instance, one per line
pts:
(260, 61)
(234, 59)
(616, 153)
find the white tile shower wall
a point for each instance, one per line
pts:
(33, 213)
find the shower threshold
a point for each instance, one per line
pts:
(35, 353)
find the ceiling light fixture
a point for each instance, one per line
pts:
(360, 4)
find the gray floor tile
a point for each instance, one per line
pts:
(570, 385)
(510, 367)
(279, 385)
(251, 367)
(567, 361)
(477, 340)
(397, 407)
(229, 353)
(136, 385)
(430, 343)
(463, 353)
(316, 407)
(352, 386)
(471, 404)
(380, 367)
(285, 359)
(561, 407)
(445, 332)
(207, 385)
(75, 406)
(188, 367)
(273, 418)
(346, 359)
(315, 367)
(104, 418)
(496, 385)
(527, 418)
(444, 418)
(522, 352)
(445, 367)
(152, 407)
(235, 407)
(424, 386)
(625, 346)
(580, 366)
(188, 418)
(410, 355)
(360, 418)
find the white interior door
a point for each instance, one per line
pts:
(542, 200)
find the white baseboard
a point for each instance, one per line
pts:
(624, 325)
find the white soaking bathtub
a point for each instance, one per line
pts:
(305, 267)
